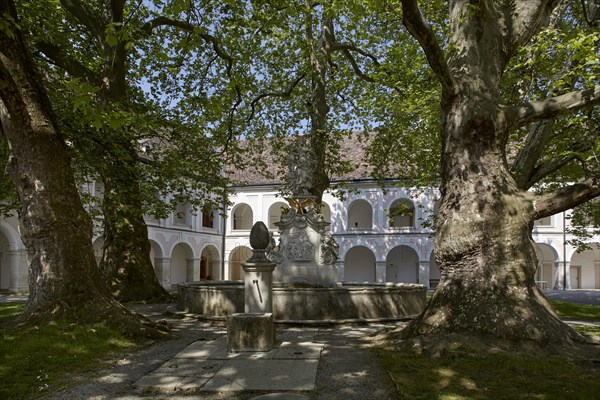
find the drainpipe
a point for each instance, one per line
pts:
(223, 229)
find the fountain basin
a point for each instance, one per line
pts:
(345, 302)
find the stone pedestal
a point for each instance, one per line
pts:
(253, 330)
(250, 332)
(306, 253)
(258, 287)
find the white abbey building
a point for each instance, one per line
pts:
(372, 246)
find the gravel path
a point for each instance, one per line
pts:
(348, 368)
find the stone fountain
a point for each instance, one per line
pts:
(305, 287)
(307, 252)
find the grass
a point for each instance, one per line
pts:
(465, 376)
(578, 311)
(462, 375)
(36, 360)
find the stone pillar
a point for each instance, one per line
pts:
(258, 287)
(424, 273)
(21, 283)
(340, 270)
(380, 267)
(562, 275)
(192, 270)
(568, 274)
(162, 268)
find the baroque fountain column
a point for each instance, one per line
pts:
(307, 252)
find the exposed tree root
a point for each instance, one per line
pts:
(106, 311)
(445, 344)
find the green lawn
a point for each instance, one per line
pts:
(577, 311)
(463, 376)
(38, 360)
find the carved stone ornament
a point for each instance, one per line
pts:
(300, 248)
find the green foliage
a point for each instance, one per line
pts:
(136, 132)
(584, 224)
(39, 360)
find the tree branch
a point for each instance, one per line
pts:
(523, 167)
(419, 28)
(149, 26)
(91, 22)
(526, 17)
(521, 115)
(261, 96)
(550, 166)
(74, 68)
(356, 67)
(565, 198)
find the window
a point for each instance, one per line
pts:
(242, 217)
(208, 217)
(402, 214)
(360, 215)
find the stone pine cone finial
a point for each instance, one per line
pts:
(259, 236)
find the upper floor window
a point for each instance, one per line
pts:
(242, 217)
(360, 215)
(208, 217)
(402, 214)
(182, 214)
(275, 213)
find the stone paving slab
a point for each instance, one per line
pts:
(207, 366)
(239, 375)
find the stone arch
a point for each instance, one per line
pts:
(546, 269)
(402, 265)
(238, 255)
(359, 265)
(13, 266)
(360, 215)
(243, 217)
(402, 214)
(182, 264)
(585, 268)
(210, 263)
(275, 213)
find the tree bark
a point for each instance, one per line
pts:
(484, 247)
(64, 280)
(319, 54)
(125, 263)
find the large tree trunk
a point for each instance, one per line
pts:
(319, 53)
(126, 255)
(64, 280)
(483, 241)
(126, 263)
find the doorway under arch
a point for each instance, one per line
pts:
(236, 258)
(209, 263)
(181, 264)
(359, 265)
(402, 265)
